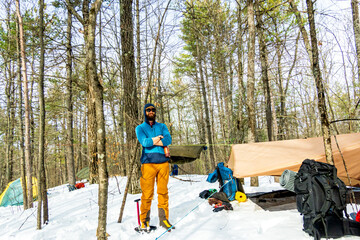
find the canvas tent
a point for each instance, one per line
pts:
(13, 195)
(272, 158)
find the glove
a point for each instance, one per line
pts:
(204, 194)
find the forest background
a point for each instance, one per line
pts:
(219, 73)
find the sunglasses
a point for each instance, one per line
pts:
(150, 110)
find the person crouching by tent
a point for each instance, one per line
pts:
(153, 136)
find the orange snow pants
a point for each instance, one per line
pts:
(150, 172)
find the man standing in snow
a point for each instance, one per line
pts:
(153, 137)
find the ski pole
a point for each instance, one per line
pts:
(138, 212)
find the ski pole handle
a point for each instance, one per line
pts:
(138, 212)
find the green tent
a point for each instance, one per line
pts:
(185, 154)
(83, 173)
(13, 194)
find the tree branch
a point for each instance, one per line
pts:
(154, 53)
(96, 6)
(70, 6)
(346, 119)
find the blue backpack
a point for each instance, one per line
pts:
(224, 175)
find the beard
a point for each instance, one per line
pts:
(151, 118)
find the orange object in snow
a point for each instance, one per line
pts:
(79, 185)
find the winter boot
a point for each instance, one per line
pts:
(145, 226)
(164, 222)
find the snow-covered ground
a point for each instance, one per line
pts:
(73, 215)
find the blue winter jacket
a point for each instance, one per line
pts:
(145, 133)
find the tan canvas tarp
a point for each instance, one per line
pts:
(272, 158)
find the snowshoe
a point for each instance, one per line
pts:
(145, 230)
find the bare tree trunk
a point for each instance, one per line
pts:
(240, 75)
(96, 91)
(264, 71)
(240, 70)
(123, 163)
(10, 108)
(230, 104)
(206, 108)
(356, 27)
(130, 89)
(225, 96)
(211, 111)
(69, 105)
(92, 150)
(288, 81)
(10, 130)
(325, 125)
(200, 122)
(92, 121)
(218, 90)
(251, 73)
(21, 122)
(303, 31)
(251, 80)
(96, 101)
(138, 51)
(41, 160)
(92, 78)
(282, 92)
(273, 113)
(45, 199)
(159, 91)
(42, 129)
(28, 162)
(80, 139)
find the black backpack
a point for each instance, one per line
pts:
(321, 199)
